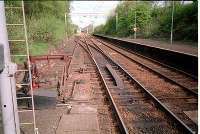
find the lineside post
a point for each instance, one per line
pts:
(66, 22)
(135, 25)
(172, 23)
(116, 18)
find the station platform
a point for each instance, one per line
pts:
(183, 47)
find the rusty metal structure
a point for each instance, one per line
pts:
(34, 71)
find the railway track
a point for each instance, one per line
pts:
(178, 99)
(176, 76)
(169, 57)
(137, 109)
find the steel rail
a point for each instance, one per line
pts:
(157, 101)
(157, 72)
(122, 125)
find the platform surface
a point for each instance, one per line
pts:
(78, 124)
(81, 120)
(188, 48)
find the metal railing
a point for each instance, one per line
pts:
(24, 40)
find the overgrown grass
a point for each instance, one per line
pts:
(36, 48)
(39, 48)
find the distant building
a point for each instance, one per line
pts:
(88, 29)
(78, 30)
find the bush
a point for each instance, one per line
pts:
(45, 25)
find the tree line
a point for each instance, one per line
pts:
(153, 20)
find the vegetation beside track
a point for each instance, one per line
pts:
(153, 20)
(45, 24)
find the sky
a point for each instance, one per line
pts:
(84, 13)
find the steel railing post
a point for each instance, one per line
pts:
(7, 83)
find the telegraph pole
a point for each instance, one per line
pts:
(116, 21)
(135, 28)
(7, 83)
(171, 39)
(66, 35)
(87, 29)
(92, 26)
(66, 26)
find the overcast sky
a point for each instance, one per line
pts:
(103, 8)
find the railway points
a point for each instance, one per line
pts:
(110, 90)
(92, 83)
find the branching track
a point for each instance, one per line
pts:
(83, 65)
(140, 109)
(176, 76)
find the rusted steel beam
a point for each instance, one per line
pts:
(48, 57)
